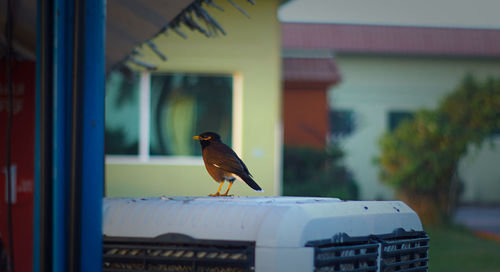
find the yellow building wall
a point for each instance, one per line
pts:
(251, 52)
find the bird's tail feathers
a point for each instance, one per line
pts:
(250, 182)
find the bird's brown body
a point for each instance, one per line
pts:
(222, 163)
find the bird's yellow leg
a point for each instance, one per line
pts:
(227, 191)
(218, 190)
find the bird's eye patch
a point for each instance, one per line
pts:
(206, 138)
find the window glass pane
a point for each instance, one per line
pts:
(396, 117)
(184, 105)
(341, 123)
(122, 114)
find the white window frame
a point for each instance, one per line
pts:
(144, 128)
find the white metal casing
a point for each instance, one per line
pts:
(279, 226)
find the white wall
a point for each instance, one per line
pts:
(459, 13)
(374, 85)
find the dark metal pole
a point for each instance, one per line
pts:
(76, 135)
(9, 27)
(45, 141)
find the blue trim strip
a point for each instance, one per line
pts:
(63, 32)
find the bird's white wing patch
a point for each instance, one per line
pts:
(218, 166)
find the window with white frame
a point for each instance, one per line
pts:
(154, 115)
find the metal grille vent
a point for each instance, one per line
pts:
(185, 254)
(342, 253)
(347, 258)
(408, 254)
(399, 251)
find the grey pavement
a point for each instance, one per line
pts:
(479, 218)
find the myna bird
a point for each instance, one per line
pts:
(222, 163)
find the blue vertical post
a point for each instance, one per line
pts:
(92, 169)
(87, 137)
(69, 164)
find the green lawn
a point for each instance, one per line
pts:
(457, 249)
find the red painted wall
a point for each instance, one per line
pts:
(305, 114)
(23, 149)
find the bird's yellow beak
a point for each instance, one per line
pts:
(202, 138)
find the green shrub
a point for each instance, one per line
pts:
(313, 172)
(419, 159)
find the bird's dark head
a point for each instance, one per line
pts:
(207, 137)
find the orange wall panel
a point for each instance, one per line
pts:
(305, 114)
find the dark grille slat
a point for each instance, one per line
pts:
(415, 269)
(417, 240)
(405, 251)
(415, 261)
(362, 269)
(135, 259)
(348, 259)
(162, 247)
(350, 247)
(178, 254)
(149, 245)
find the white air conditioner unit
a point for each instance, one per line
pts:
(261, 234)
